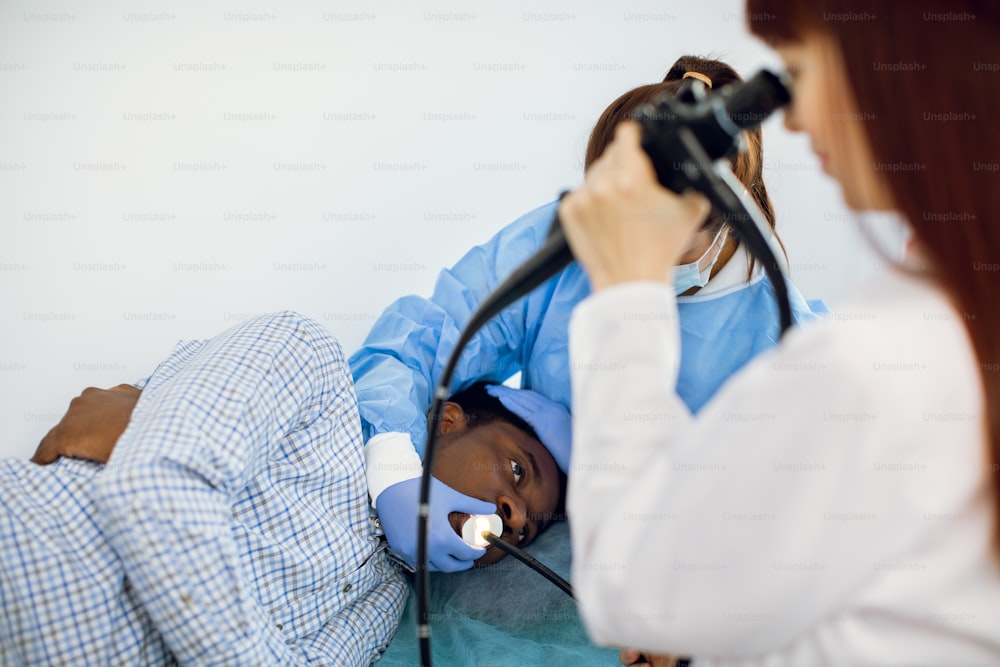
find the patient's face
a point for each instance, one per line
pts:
(500, 464)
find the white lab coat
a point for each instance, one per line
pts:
(830, 506)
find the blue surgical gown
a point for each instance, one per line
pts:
(402, 358)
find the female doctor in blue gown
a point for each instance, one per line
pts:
(727, 314)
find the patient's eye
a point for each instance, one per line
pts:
(518, 471)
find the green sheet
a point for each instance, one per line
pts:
(503, 615)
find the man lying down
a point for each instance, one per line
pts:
(232, 523)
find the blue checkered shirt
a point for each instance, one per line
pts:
(231, 525)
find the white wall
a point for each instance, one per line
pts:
(167, 170)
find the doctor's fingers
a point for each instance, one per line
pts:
(627, 170)
(623, 182)
(629, 657)
(452, 562)
(633, 658)
(623, 162)
(620, 231)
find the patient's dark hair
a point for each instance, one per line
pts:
(481, 409)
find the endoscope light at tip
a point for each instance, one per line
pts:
(477, 524)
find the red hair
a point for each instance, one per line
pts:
(925, 77)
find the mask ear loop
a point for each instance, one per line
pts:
(711, 255)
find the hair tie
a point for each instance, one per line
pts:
(696, 75)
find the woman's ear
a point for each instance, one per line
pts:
(452, 419)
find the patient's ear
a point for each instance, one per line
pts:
(452, 419)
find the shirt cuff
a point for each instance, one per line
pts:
(389, 459)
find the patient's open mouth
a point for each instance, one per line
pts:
(456, 519)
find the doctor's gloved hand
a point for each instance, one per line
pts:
(446, 551)
(551, 420)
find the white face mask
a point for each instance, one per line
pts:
(696, 274)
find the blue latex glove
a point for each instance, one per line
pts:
(446, 551)
(551, 420)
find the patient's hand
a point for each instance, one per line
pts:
(635, 658)
(91, 427)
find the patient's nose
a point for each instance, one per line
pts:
(515, 514)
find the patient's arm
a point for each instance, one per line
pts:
(91, 426)
(212, 419)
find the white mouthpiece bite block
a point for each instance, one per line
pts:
(477, 524)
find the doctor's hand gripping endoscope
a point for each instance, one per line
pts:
(686, 136)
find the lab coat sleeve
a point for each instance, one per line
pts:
(731, 533)
(402, 358)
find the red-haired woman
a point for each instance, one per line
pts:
(837, 501)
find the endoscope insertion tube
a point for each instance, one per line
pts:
(531, 562)
(484, 530)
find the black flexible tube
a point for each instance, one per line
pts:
(531, 562)
(707, 181)
(522, 281)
